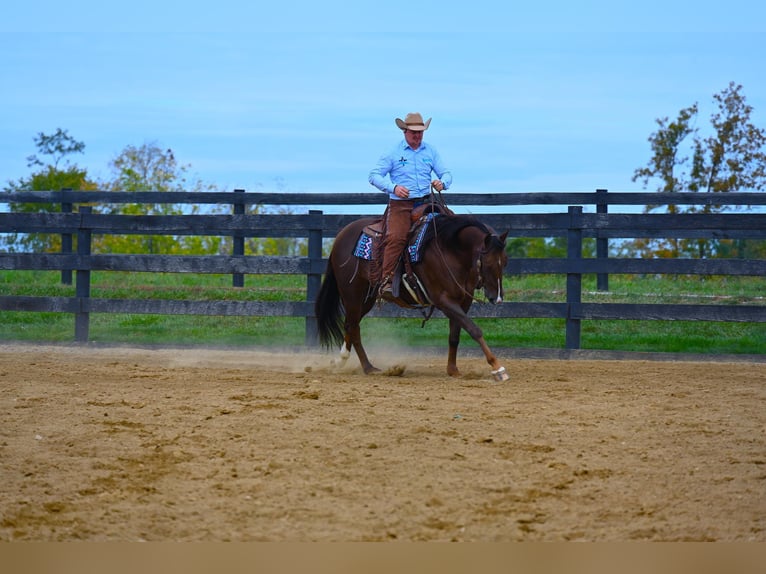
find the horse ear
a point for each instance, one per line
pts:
(490, 236)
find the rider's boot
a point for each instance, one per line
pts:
(385, 292)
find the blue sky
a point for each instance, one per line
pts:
(302, 96)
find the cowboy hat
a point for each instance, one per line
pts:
(413, 121)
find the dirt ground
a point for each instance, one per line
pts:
(127, 444)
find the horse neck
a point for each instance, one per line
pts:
(469, 243)
(471, 240)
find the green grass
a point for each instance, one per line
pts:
(653, 336)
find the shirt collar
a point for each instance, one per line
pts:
(405, 145)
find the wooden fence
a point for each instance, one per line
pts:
(574, 224)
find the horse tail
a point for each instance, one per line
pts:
(329, 311)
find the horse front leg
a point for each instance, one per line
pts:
(459, 319)
(498, 371)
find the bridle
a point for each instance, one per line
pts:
(478, 265)
(480, 284)
(438, 200)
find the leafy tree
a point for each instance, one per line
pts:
(732, 158)
(151, 168)
(53, 173)
(665, 162)
(148, 168)
(58, 145)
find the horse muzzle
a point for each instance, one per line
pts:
(494, 296)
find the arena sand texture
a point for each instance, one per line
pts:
(129, 444)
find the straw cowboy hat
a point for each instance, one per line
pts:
(414, 122)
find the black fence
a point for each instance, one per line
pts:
(76, 219)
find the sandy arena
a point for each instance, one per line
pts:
(125, 444)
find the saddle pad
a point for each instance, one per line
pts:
(363, 248)
(364, 244)
(414, 248)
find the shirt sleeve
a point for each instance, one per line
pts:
(380, 174)
(441, 170)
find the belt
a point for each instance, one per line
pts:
(415, 200)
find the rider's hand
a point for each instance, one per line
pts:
(401, 191)
(437, 185)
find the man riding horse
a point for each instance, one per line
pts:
(404, 173)
(455, 256)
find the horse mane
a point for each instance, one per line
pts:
(447, 228)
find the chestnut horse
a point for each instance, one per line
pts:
(459, 255)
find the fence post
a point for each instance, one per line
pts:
(602, 243)
(574, 280)
(66, 239)
(313, 280)
(82, 290)
(238, 243)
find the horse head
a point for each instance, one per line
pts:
(491, 264)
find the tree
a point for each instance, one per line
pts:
(731, 159)
(152, 168)
(147, 168)
(49, 177)
(665, 144)
(58, 145)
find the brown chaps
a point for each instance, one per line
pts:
(397, 227)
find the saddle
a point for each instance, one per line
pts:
(370, 243)
(377, 229)
(423, 209)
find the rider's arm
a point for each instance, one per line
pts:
(441, 171)
(380, 175)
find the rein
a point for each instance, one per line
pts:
(440, 201)
(452, 275)
(438, 248)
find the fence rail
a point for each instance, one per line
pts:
(574, 225)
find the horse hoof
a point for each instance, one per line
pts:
(501, 375)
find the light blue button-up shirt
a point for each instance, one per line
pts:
(410, 168)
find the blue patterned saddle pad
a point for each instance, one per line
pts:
(364, 244)
(363, 248)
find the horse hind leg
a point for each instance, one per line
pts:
(343, 355)
(454, 341)
(354, 338)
